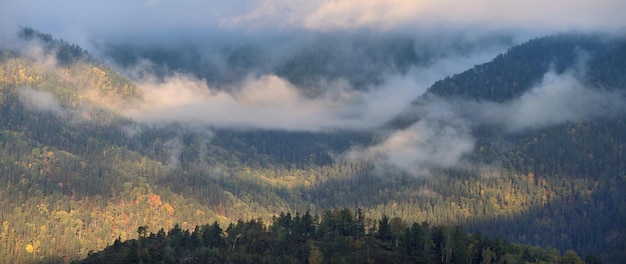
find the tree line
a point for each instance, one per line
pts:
(334, 236)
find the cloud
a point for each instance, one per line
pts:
(36, 52)
(84, 21)
(383, 14)
(439, 140)
(271, 102)
(268, 99)
(441, 136)
(266, 102)
(557, 99)
(173, 148)
(531, 15)
(264, 97)
(41, 101)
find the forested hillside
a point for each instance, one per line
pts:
(578, 164)
(76, 175)
(511, 74)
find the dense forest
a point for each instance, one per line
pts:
(337, 236)
(77, 177)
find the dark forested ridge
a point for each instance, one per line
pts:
(75, 176)
(362, 60)
(335, 236)
(511, 74)
(65, 53)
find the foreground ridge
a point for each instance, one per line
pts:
(335, 236)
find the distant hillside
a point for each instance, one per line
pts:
(585, 157)
(511, 74)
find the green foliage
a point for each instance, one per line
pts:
(71, 186)
(340, 240)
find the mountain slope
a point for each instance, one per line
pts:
(578, 164)
(511, 74)
(75, 175)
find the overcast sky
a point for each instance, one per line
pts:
(78, 20)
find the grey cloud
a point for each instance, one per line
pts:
(390, 14)
(309, 61)
(77, 21)
(81, 22)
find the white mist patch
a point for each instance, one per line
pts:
(174, 148)
(439, 140)
(267, 102)
(132, 130)
(36, 52)
(425, 145)
(442, 135)
(557, 99)
(41, 101)
(271, 102)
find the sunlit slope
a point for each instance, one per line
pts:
(70, 182)
(76, 176)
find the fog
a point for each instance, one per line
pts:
(442, 135)
(440, 139)
(556, 99)
(41, 101)
(314, 100)
(323, 65)
(272, 102)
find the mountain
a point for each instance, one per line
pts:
(77, 174)
(574, 166)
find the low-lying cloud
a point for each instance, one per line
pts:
(262, 98)
(265, 102)
(271, 102)
(41, 101)
(442, 135)
(439, 140)
(558, 98)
